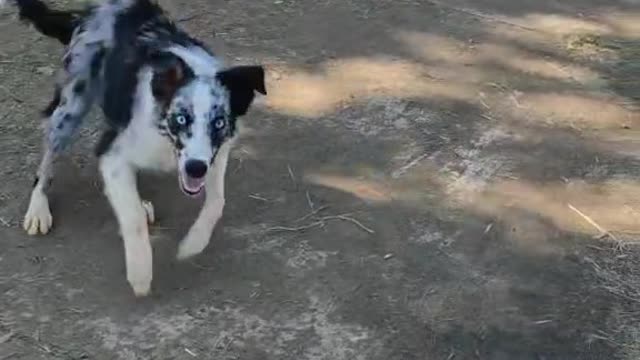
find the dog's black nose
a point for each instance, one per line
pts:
(195, 168)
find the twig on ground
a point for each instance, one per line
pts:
(312, 213)
(596, 248)
(321, 222)
(294, 229)
(6, 337)
(487, 117)
(515, 101)
(202, 267)
(226, 347)
(293, 177)
(603, 232)
(401, 171)
(256, 197)
(309, 201)
(349, 219)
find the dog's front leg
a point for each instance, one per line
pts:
(121, 189)
(200, 233)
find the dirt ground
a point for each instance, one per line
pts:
(426, 180)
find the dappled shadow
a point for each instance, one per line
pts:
(430, 180)
(473, 126)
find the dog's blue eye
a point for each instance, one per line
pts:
(219, 124)
(181, 120)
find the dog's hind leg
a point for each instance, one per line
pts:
(200, 233)
(64, 114)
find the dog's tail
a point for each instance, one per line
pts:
(53, 23)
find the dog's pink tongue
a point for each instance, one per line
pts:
(193, 184)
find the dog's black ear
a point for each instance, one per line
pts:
(242, 81)
(169, 74)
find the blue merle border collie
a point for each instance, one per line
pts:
(168, 104)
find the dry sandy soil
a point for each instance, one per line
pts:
(425, 180)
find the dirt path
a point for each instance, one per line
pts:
(434, 162)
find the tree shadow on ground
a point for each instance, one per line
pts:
(461, 156)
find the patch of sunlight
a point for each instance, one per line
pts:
(419, 187)
(539, 29)
(584, 111)
(438, 49)
(624, 25)
(364, 189)
(561, 24)
(307, 94)
(625, 142)
(613, 205)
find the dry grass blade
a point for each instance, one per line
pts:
(351, 220)
(603, 232)
(256, 197)
(291, 174)
(309, 201)
(295, 229)
(312, 213)
(321, 221)
(6, 337)
(403, 170)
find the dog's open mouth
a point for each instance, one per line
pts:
(191, 186)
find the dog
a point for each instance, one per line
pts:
(169, 104)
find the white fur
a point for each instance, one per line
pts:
(202, 63)
(198, 146)
(200, 233)
(141, 146)
(38, 219)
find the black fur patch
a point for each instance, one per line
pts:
(53, 104)
(97, 62)
(125, 61)
(105, 142)
(79, 87)
(242, 82)
(36, 179)
(54, 23)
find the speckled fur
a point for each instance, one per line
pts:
(168, 103)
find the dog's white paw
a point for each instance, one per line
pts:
(38, 218)
(141, 289)
(140, 281)
(195, 242)
(149, 211)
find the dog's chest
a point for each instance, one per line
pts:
(146, 148)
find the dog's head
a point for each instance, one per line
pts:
(199, 112)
